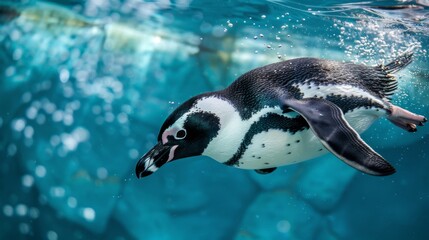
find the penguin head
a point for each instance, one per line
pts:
(185, 133)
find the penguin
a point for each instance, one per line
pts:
(284, 113)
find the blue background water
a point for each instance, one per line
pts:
(85, 86)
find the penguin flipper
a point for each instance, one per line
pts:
(327, 122)
(265, 170)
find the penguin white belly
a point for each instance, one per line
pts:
(274, 148)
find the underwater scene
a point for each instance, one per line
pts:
(86, 86)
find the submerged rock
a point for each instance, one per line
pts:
(279, 215)
(189, 198)
(324, 182)
(391, 207)
(77, 95)
(309, 180)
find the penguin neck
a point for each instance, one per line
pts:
(233, 127)
(218, 106)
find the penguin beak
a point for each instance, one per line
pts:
(154, 159)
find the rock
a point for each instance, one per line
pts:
(185, 198)
(74, 190)
(393, 207)
(75, 99)
(279, 215)
(324, 182)
(321, 181)
(141, 210)
(326, 233)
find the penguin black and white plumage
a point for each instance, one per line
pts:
(284, 113)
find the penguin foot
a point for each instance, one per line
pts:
(405, 119)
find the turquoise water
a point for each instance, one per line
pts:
(86, 85)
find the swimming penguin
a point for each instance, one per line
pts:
(284, 113)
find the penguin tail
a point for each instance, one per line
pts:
(400, 62)
(386, 82)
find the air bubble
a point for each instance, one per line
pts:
(7, 210)
(24, 228)
(58, 192)
(55, 140)
(51, 235)
(33, 213)
(122, 118)
(72, 202)
(27, 180)
(109, 117)
(15, 35)
(68, 119)
(10, 71)
(49, 107)
(28, 132)
(64, 75)
(17, 54)
(80, 134)
(283, 226)
(31, 112)
(11, 150)
(18, 124)
(133, 153)
(21, 210)
(40, 119)
(102, 173)
(88, 214)
(69, 141)
(58, 116)
(40, 171)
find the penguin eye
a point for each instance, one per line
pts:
(181, 134)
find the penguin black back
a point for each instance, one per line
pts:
(249, 87)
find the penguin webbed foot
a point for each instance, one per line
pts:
(265, 170)
(405, 119)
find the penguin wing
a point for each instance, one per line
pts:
(327, 122)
